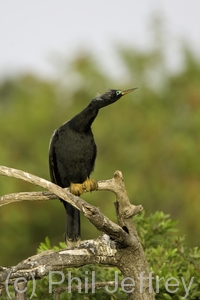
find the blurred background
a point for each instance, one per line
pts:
(55, 56)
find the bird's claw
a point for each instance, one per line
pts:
(88, 185)
(76, 188)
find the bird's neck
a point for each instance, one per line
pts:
(83, 121)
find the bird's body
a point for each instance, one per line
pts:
(72, 156)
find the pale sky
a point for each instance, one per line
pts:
(34, 32)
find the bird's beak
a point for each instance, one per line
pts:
(128, 91)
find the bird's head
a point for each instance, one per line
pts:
(110, 97)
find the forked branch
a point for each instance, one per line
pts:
(118, 246)
(100, 221)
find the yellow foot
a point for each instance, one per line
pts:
(76, 188)
(90, 185)
(87, 186)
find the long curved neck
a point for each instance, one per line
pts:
(83, 121)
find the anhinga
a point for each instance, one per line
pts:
(72, 155)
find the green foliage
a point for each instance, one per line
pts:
(168, 255)
(47, 246)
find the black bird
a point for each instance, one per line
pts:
(72, 155)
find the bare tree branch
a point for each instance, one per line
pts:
(118, 246)
(101, 222)
(114, 185)
(91, 251)
(53, 188)
(100, 251)
(27, 196)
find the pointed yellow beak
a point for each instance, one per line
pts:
(128, 91)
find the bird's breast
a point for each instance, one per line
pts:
(76, 154)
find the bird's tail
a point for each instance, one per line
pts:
(73, 231)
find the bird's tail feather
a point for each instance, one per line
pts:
(73, 231)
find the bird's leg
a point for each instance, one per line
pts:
(90, 185)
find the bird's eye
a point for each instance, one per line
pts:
(118, 93)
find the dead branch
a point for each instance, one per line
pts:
(115, 185)
(101, 222)
(118, 246)
(100, 250)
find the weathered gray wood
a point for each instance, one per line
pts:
(118, 245)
